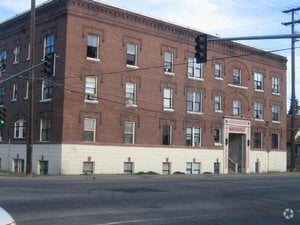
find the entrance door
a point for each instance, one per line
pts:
(236, 153)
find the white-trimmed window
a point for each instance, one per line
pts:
(276, 112)
(167, 135)
(47, 88)
(45, 132)
(258, 140)
(275, 85)
(3, 60)
(218, 136)
(258, 81)
(20, 129)
(27, 90)
(92, 46)
(168, 99)
(194, 102)
(258, 110)
(129, 132)
(28, 51)
(130, 95)
(237, 76)
(169, 62)
(193, 168)
(91, 88)
(16, 53)
(15, 91)
(131, 54)
(193, 136)
(195, 70)
(275, 141)
(218, 103)
(89, 129)
(218, 70)
(236, 108)
(49, 44)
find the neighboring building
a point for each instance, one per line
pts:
(127, 96)
(297, 141)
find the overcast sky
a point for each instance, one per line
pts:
(224, 18)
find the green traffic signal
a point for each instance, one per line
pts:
(2, 116)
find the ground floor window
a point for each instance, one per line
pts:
(128, 168)
(192, 168)
(216, 167)
(166, 168)
(43, 167)
(19, 165)
(88, 168)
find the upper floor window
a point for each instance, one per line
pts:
(130, 95)
(89, 129)
(16, 53)
(20, 129)
(3, 60)
(45, 132)
(258, 110)
(91, 88)
(218, 103)
(47, 88)
(129, 132)
(258, 137)
(193, 136)
(194, 101)
(15, 91)
(194, 69)
(50, 44)
(258, 81)
(218, 70)
(131, 54)
(167, 135)
(218, 136)
(168, 99)
(275, 85)
(275, 112)
(169, 62)
(236, 108)
(92, 46)
(275, 141)
(237, 76)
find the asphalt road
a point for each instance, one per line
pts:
(114, 200)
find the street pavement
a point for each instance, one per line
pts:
(147, 200)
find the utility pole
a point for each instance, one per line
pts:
(293, 95)
(29, 145)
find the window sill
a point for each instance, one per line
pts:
(92, 59)
(15, 63)
(218, 111)
(218, 78)
(218, 144)
(45, 100)
(277, 122)
(131, 106)
(91, 101)
(275, 93)
(169, 110)
(169, 73)
(195, 113)
(259, 90)
(195, 78)
(259, 120)
(13, 100)
(132, 66)
(26, 98)
(237, 86)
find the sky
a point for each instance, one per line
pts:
(223, 18)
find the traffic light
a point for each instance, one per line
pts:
(2, 116)
(201, 48)
(49, 64)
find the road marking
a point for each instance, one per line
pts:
(262, 187)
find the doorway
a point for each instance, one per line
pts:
(237, 153)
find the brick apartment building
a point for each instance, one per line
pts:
(127, 96)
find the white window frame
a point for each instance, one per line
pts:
(193, 168)
(261, 140)
(91, 89)
(169, 63)
(27, 90)
(89, 125)
(129, 131)
(193, 134)
(16, 53)
(218, 137)
(170, 134)
(47, 85)
(43, 129)
(237, 76)
(218, 70)
(275, 111)
(93, 45)
(20, 129)
(15, 91)
(276, 85)
(258, 81)
(132, 52)
(193, 101)
(195, 70)
(168, 99)
(258, 111)
(278, 141)
(49, 43)
(236, 108)
(218, 103)
(130, 94)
